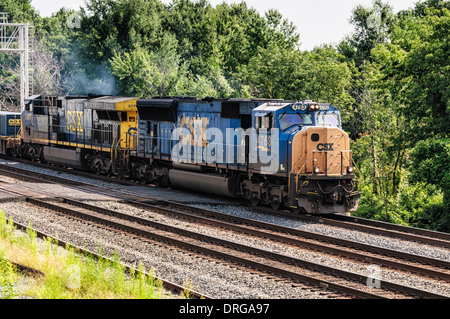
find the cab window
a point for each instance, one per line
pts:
(288, 120)
(328, 119)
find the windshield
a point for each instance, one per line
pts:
(288, 120)
(328, 119)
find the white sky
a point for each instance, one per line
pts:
(317, 21)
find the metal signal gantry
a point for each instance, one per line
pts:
(16, 38)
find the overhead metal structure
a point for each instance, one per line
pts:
(17, 38)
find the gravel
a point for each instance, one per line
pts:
(212, 278)
(216, 278)
(315, 257)
(338, 232)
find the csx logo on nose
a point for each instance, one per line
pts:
(325, 147)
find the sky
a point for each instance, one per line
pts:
(317, 21)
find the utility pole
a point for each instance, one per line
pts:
(16, 38)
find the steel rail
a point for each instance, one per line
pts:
(306, 234)
(300, 243)
(408, 233)
(360, 227)
(283, 229)
(381, 224)
(239, 247)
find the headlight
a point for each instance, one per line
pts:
(349, 169)
(316, 170)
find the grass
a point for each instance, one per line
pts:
(69, 275)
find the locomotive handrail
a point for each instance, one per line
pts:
(352, 160)
(296, 177)
(18, 132)
(349, 158)
(299, 171)
(296, 163)
(114, 147)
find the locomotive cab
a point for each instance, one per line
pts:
(322, 177)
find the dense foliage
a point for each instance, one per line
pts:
(390, 78)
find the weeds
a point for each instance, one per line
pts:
(188, 288)
(70, 275)
(8, 278)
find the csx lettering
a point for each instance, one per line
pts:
(14, 122)
(197, 127)
(73, 120)
(325, 147)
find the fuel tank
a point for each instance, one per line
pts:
(204, 182)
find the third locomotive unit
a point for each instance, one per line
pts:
(291, 154)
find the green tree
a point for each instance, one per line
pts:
(20, 11)
(150, 73)
(430, 164)
(372, 26)
(109, 26)
(416, 66)
(293, 74)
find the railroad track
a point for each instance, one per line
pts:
(291, 241)
(418, 235)
(420, 264)
(436, 268)
(388, 226)
(136, 230)
(261, 260)
(349, 222)
(166, 284)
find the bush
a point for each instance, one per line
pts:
(416, 204)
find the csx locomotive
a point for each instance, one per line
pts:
(290, 154)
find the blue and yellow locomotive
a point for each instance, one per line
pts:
(272, 152)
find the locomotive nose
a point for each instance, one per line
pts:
(321, 151)
(322, 177)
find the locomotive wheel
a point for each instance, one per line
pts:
(32, 155)
(143, 179)
(254, 201)
(150, 178)
(14, 153)
(157, 181)
(275, 203)
(299, 210)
